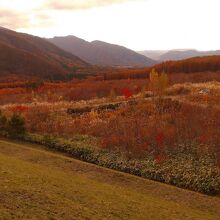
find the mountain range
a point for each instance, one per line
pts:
(24, 54)
(165, 55)
(101, 53)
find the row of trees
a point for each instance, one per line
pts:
(192, 65)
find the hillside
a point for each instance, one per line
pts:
(191, 65)
(207, 67)
(101, 53)
(177, 54)
(184, 54)
(28, 55)
(36, 183)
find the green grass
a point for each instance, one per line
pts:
(38, 184)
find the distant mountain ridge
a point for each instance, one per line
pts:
(177, 54)
(25, 54)
(101, 53)
(153, 54)
(185, 54)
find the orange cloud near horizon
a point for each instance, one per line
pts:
(18, 14)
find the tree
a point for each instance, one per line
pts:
(163, 82)
(16, 126)
(158, 82)
(3, 123)
(127, 93)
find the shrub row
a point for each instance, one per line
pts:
(185, 171)
(100, 108)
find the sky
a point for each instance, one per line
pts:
(136, 24)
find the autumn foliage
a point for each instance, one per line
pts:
(204, 66)
(158, 126)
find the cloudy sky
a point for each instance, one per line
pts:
(137, 24)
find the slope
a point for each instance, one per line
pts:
(35, 183)
(153, 54)
(33, 56)
(177, 54)
(185, 54)
(101, 53)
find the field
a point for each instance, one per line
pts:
(40, 184)
(157, 129)
(171, 137)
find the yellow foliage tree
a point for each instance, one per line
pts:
(158, 82)
(163, 82)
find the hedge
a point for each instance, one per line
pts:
(197, 174)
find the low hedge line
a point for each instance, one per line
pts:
(100, 108)
(182, 170)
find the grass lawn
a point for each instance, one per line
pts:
(39, 184)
